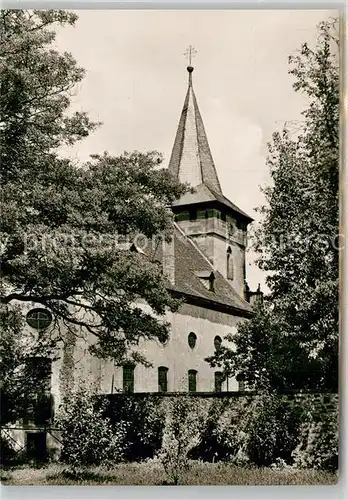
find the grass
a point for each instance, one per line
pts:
(151, 473)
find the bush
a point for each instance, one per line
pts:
(7, 451)
(182, 432)
(319, 437)
(145, 421)
(258, 429)
(223, 437)
(273, 429)
(88, 437)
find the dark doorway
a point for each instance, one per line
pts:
(37, 446)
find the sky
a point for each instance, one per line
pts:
(136, 82)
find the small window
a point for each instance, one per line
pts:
(40, 319)
(217, 342)
(192, 380)
(231, 228)
(192, 339)
(162, 379)
(212, 283)
(128, 378)
(218, 379)
(241, 382)
(229, 264)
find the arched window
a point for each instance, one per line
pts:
(162, 379)
(128, 378)
(192, 339)
(217, 342)
(218, 379)
(192, 380)
(229, 258)
(39, 318)
(38, 370)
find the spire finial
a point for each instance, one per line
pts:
(189, 53)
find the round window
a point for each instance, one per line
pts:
(192, 339)
(217, 342)
(39, 318)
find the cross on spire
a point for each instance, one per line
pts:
(190, 53)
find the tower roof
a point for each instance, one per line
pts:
(191, 160)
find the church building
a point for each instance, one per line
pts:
(204, 265)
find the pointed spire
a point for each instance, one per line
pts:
(191, 160)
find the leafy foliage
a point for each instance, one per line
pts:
(319, 439)
(64, 225)
(88, 437)
(292, 342)
(268, 429)
(223, 436)
(182, 432)
(272, 430)
(145, 422)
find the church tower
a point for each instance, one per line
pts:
(217, 226)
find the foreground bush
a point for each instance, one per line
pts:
(273, 429)
(319, 437)
(182, 433)
(87, 436)
(267, 428)
(145, 422)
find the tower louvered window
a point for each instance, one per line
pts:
(230, 272)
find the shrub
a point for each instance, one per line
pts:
(88, 437)
(145, 422)
(223, 437)
(7, 451)
(259, 429)
(272, 427)
(184, 418)
(319, 437)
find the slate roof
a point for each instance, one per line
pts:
(190, 265)
(204, 194)
(191, 160)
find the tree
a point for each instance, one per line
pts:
(62, 223)
(292, 342)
